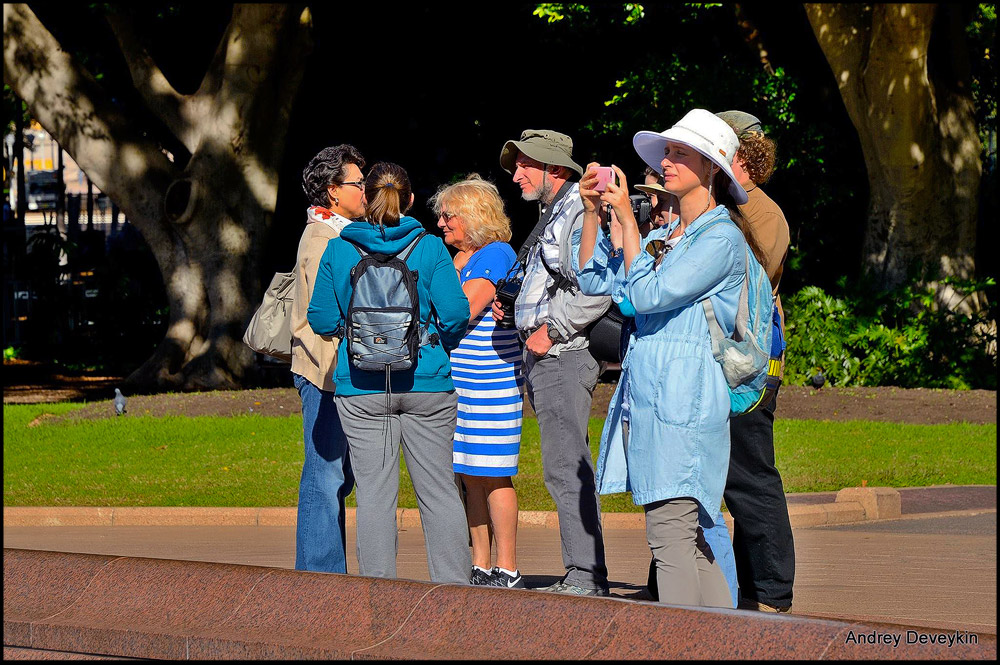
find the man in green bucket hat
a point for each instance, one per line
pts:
(551, 316)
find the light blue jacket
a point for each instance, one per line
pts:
(672, 391)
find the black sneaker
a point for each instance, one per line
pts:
(480, 577)
(502, 579)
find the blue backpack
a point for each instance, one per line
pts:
(382, 330)
(751, 358)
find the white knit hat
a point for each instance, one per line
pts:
(703, 131)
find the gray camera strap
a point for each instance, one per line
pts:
(543, 221)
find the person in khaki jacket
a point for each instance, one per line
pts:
(762, 537)
(334, 187)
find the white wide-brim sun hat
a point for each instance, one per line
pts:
(703, 131)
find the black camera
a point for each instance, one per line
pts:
(507, 290)
(642, 208)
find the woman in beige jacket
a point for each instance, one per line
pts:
(334, 185)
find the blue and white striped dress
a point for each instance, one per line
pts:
(486, 370)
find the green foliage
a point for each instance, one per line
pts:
(11, 353)
(981, 31)
(553, 12)
(671, 58)
(253, 460)
(898, 338)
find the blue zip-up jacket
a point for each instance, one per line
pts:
(443, 305)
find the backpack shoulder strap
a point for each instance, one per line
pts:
(360, 250)
(710, 224)
(742, 312)
(405, 254)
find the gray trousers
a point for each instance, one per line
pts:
(686, 570)
(560, 390)
(423, 426)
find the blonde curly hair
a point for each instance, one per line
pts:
(757, 152)
(477, 202)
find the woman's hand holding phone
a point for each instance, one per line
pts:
(604, 176)
(616, 193)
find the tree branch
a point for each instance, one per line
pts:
(74, 109)
(148, 79)
(752, 38)
(282, 85)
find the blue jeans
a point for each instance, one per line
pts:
(320, 532)
(717, 537)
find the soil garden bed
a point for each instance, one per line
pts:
(26, 383)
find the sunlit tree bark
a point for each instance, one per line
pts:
(204, 219)
(903, 74)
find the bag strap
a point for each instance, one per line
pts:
(742, 315)
(742, 309)
(543, 221)
(360, 250)
(405, 254)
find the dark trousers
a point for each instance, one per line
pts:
(762, 536)
(755, 497)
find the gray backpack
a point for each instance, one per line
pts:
(270, 329)
(382, 330)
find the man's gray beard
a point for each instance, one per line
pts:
(543, 193)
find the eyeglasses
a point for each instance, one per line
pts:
(448, 216)
(360, 184)
(658, 248)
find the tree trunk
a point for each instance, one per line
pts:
(918, 135)
(204, 221)
(206, 266)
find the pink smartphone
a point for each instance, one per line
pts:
(604, 176)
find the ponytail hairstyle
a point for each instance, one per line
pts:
(387, 189)
(724, 197)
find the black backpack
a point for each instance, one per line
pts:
(382, 330)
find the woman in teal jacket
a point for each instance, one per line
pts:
(410, 410)
(666, 438)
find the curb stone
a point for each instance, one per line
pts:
(852, 504)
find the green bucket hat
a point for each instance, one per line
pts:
(544, 145)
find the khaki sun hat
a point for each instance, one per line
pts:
(544, 145)
(742, 123)
(654, 188)
(703, 131)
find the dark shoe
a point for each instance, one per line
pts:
(754, 606)
(480, 577)
(641, 594)
(499, 578)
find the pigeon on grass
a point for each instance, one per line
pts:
(817, 380)
(120, 402)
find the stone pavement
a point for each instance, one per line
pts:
(935, 566)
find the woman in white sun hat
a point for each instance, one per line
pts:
(666, 438)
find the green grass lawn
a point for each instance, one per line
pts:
(251, 460)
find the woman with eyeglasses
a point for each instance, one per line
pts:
(666, 438)
(331, 184)
(487, 371)
(413, 410)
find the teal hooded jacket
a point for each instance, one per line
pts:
(443, 305)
